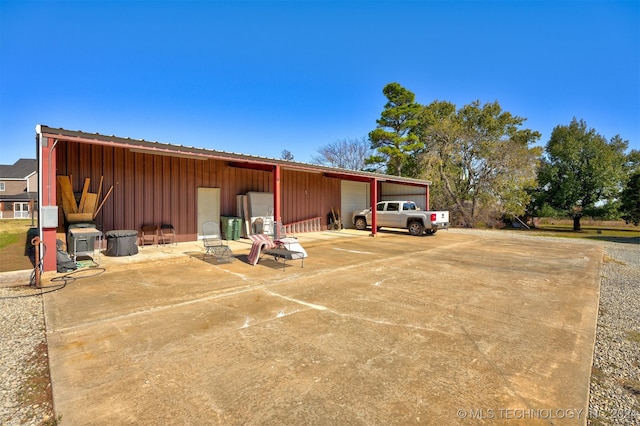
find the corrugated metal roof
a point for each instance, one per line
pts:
(178, 150)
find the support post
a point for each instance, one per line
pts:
(276, 194)
(374, 201)
(47, 197)
(35, 241)
(428, 202)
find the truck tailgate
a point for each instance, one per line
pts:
(442, 218)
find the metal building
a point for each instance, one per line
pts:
(152, 182)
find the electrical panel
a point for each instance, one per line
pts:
(49, 217)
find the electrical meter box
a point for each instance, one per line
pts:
(49, 216)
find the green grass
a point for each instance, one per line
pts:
(15, 251)
(6, 239)
(13, 231)
(10, 228)
(614, 231)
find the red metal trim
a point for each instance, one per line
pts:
(345, 176)
(146, 149)
(253, 166)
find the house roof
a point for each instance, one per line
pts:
(22, 196)
(241, 160)
(22, 169)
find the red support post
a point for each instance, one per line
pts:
(428, 208)
(276, 194)
(48, 197)
(374, 201)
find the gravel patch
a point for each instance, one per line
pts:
(25, 386)
(615, 375)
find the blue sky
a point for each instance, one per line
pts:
(264, 76)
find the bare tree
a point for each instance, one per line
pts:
(344, 153)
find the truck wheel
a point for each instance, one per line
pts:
(416, 228)
(431, 231)
(361, 224)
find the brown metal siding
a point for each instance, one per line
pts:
(158, 189)
(308, 195)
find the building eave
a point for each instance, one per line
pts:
(251, 161)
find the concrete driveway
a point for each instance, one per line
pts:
(456, 328)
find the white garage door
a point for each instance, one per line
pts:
(394, 191)
(354, 196)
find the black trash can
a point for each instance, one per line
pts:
(122, 242)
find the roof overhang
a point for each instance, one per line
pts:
(233, 159)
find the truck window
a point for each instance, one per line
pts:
(409, 206)
(380, 207)
(393, 207)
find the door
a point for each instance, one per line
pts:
(354, 197)
(208, 207)
(382, 214)
(21, 210)
(392, 215)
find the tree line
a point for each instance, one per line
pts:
(485, 166)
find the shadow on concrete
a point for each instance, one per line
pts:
(211, 259)
(614, 239)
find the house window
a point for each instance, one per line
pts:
(1, 186)
(21, 210)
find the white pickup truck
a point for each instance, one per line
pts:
(405, 215)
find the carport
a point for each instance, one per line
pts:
(159, 183)
(459, 328)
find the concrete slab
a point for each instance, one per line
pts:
(455, 328)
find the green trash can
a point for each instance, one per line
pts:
(225, 227)
(230, 227)
(236, 227)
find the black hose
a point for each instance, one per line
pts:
(66, 279)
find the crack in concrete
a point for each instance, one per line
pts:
(352, 316)
(153, 309)
(353, 251)
(487, 359)
(493, 364)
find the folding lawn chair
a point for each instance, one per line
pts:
(149, 234)
(214, 245)
(168, 234)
